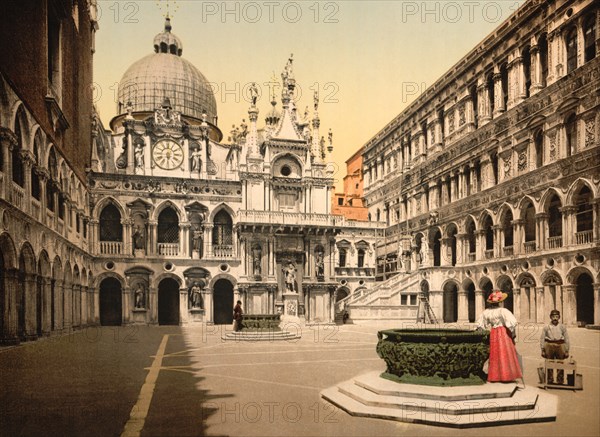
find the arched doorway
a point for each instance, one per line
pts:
(111, 303)
(342, 293)
(470, 288)
(487, 287)
(584, 294)
(223, 302)
(506, 285)
(168, 302)
(450, 302)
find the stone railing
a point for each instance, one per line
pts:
(17, 193)
(302, 219)
(168, 249)
(508, 250)
(222, 251)
(471, 257)
(111, 247)
(529, 246)
(555, 242)
(255, 322)
(36, 209)
(584, 237)
(489, 254)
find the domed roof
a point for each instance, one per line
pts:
(165, 74)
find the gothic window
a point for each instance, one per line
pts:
(507, 229)
(50, 195)
(554, 217)
(529, 217)
(168, 226)
(491, 91)
(504, 81)
(35, 180)
(543, 48)
(571, 134)
(471, 236)
(342, 255)
(489, 233)
(589, 38)
(467, 174)
(361, 258)
(61, 206)
(437, 249)
(111, 228)
(223, 229)
(538, 140)
(17, 163)
(475, 104)
(584, 212)
(571, 42)
(494, 161)
(527, 70)
(452, 231)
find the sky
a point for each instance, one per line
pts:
(369, 59)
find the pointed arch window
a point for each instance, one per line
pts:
(168, 226)
(110, 225)
(571, 42)
(17, 163)
(584, 214)
(507, 229)
(589, 38)
(223, 229)
(554, 218)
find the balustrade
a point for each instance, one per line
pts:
(168, 249)
(529, 246)
(584, 237)
(17, 193)
(555, 242)
(111, 247)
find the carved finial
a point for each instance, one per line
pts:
(316, 99)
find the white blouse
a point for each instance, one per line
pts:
(495, 317)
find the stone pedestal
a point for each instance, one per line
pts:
(291, 306)
(139, 253)
(138, 316)
(196, 315)
(195, 254)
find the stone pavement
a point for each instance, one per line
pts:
(172, 381)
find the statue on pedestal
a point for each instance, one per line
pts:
(140, 297)
(195, 295)
(290, 278)
(319, 265)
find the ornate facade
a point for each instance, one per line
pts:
(490, 179)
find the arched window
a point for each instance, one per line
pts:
(342, 257)
(538, 140)
(527, 69)
(589, 38)
(35, 180)
(222, 230)
(17, 163)
(168, 226)
(504, 81)
(571, 134)
(571, 42)
(529, 217)
(489, 236)
(507, 229)
(110, 224)
(471, 236)
(584, 209)
(543, 47)
(437, 249)
(554, 217)
(361, 258)
(49, 195)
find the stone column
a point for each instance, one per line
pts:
(569, 313)
(128, 304)
(497, 240)
(518, 82)
(498, 94)
(184, 314)
(479, 303)
(463, 306)
(536, 70)
(8, 140)
(184, 238)
(445, 252)
(58, 306)
(597, 304)
(208, 249)
(462, 246)
(596, 219)
(540, 231)
(67, 305)
(517, 297)
(479, 244)
(483, 100)
(540, 314)
(84, 313)
(46, 306)
(517, 235)
(27, 158)
(30, 284)
(152, 237)
(77, 305)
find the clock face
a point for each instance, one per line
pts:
(167, 154)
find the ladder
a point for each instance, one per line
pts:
(425, 313)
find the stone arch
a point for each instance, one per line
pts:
(168, 289)
(105, 201)
(21, 116)
(217, 209)
(547, 196)
(468, 287)
(583, 280)
(44, 294)
(223, 300)
(168, 204)
(450, 299)
(341, 293)
(505, 284)
(576, 186)
(110, 298)
(9, 253)
(283, 156)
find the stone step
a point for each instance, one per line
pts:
(521, 400)
(372, 381)
(261, 336)
(544, 411)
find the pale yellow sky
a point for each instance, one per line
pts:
(366, 57)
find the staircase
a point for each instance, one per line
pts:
(425, 313)
(383, 300)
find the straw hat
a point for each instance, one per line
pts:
(496, 297)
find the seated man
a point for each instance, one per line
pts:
(554, 343)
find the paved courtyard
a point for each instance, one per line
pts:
(171, 381)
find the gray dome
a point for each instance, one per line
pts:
(165, 74)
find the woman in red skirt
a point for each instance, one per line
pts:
(503, 364)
